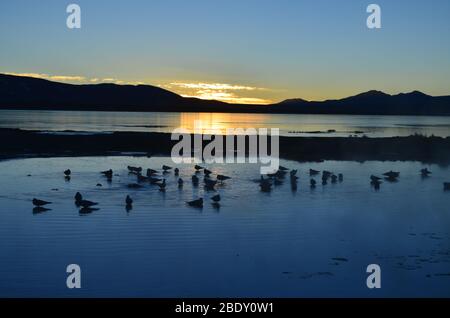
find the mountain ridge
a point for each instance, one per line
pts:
(19, 92)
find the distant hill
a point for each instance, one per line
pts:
(17, 92)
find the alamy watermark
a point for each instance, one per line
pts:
(228, 146)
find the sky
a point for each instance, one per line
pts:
(249, 51)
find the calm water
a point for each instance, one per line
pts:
(291, 125)
(258, 244)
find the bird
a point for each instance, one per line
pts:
(425, 172)
(134, 169)
(108, 173)
(312, 183)
(128, 200)
(196, 203)
(334, 178)
(391, 174)
(209, 183)
(154, 180)
(265, 184)
(166, 168)
(374, 178)
(313, 172)
(78, 197)
(67, 173)
(216, 198)
(162, 185)
(341, 177)
(180, 183)
(141, 178)
(87, 203)
(293, 172)
(326, 174)
(177, 171)
(151, 172)
(38, 202)
(197, 167)
(222, 178)
(207, 172)
(283, 168)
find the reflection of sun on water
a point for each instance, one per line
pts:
(211, 122)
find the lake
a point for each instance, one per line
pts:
(286, 243)
(289, 124)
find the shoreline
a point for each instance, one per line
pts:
(18, 143)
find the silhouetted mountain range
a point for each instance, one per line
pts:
(17, 92)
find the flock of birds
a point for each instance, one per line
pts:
(150, 177)
(266, 183)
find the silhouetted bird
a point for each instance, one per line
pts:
(177, 171)
(180, 183)
(222, 178)
(283, 168)
(128, 200)
(313, 172)
(134, 169)
(108, 173)
(207, 172)
(38, 202)
(154, 180)
(341, 177)
(293, 172)
(391, 174)
(197, 167)
(425, 172)
(141, 178)
(265, 184)
(334, 178)
(151, 172)
(166, 168)
(374, 178)
(78, 197)
(216, 198)
(67, 173)
(312, 182)
(196, 203)
(87, 203)
(162, 185)
(209, 183)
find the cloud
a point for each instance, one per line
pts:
(75, 79)
(219, 91)
(59, 78)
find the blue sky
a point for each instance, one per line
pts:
(256, 50)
